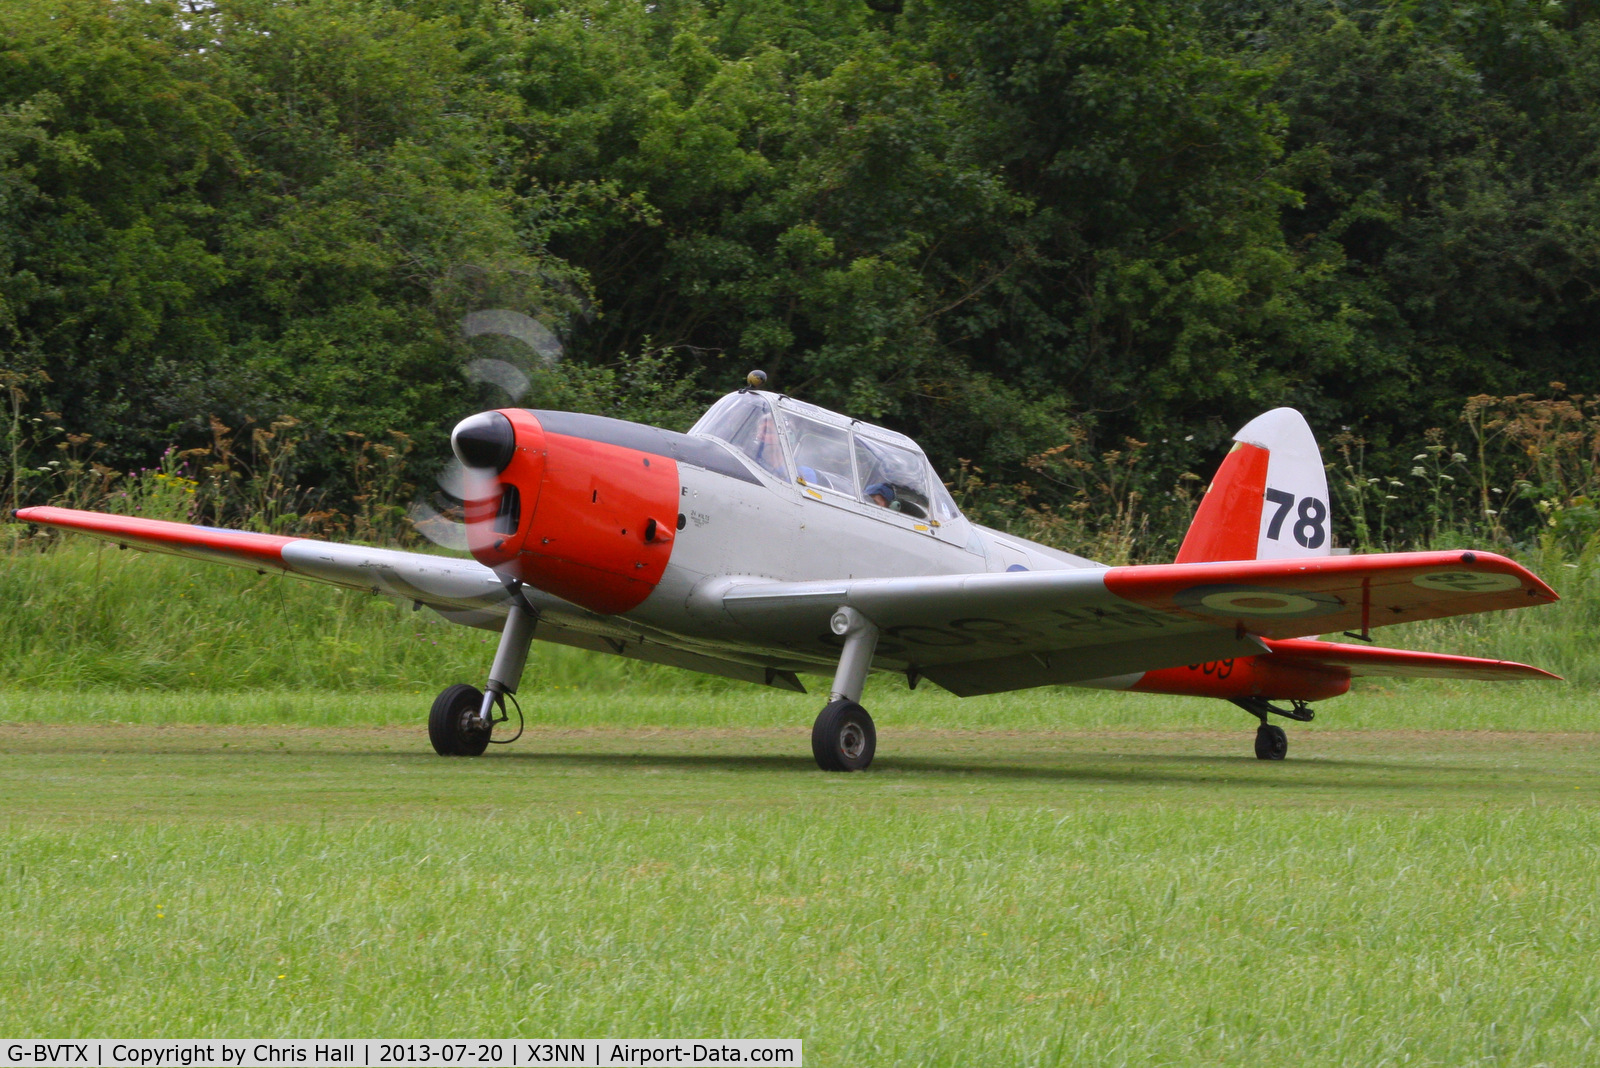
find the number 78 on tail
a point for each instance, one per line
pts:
(777, 540)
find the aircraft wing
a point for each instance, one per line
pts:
(985, 633)
(461, 590)
(442, 582)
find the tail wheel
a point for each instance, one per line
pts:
(1271, 742)
(843, 738)
(453, 723)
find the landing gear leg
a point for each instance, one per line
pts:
(844, 738)
(1271, 742)
(463, 718)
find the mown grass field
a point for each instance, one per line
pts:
(1050, 878)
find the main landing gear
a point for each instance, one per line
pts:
(453, 725)
(844, 738)
(463, 718)
(1271, 742)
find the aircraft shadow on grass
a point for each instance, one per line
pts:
(1150, 769)
(1131, 769)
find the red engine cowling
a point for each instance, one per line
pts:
(589, 521)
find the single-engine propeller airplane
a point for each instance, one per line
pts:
(777, 538)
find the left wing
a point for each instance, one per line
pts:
(441, 582)
(985, 633)
(461, 590)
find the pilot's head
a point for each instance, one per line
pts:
(767, 435)
(880, 494)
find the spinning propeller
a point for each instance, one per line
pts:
(468, 484)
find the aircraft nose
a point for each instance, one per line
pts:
(485, 440)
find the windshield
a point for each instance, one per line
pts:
(944, 505)
(744, 420)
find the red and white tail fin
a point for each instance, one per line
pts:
(1269, 500)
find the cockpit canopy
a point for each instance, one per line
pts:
(825, 452)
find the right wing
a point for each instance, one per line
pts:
(988, 633)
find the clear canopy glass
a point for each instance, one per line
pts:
(892, 477)
(821, 454)
(825, 451)
(744, 420)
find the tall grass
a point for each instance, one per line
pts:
(1512, 473)
(83, 614)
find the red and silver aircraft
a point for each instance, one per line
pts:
(776, 539)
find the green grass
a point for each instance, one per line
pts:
(1371, 705)
(980, 897)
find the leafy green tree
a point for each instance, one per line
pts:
(255, 208)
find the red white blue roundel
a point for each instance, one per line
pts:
(1467, 581)
(1233, 601)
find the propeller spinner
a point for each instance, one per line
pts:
(484, 442)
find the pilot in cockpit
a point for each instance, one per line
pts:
(880, 494)
(765, 449)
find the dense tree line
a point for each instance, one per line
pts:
(999, 226)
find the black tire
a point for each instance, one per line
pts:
(1271, 742)
(843, 738)
(452, 723)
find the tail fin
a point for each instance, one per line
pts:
(1269, 500)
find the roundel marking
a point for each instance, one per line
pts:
(1260, 601)
(1467, 581)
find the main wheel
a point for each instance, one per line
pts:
(843, 738)
(1271, 742)
(453, 723)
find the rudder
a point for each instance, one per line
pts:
(1269, 500)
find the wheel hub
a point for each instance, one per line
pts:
(852, 740)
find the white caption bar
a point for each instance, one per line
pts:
(399, 1053)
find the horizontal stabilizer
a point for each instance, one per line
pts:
(1399, 663)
